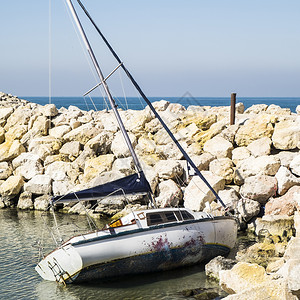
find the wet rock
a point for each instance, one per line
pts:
(25, 201)
(217, 264)
(280, 225)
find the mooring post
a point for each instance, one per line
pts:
(232, 108)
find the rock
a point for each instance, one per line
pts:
(217, 264)
(176, 108)
(286, 204)
(170, 194)
(119, 147)
(20, 116)
(170, 151)
(202, 161)
(62, 187)
(168, 169)
(135, 120)
(259, 188)
(187, 133)
(27, 165)
(39, 185)
(11, 186)
(16, 132)
(275, 225)
(49, 110)
(106, 177)
(25, 201)
(229, 133)
(59, 170)
(124, 165)
(285, 180)
(239, 154)
(230, 197)
(98, 165)
(110, 206)
(10, 149)
(82, 134)
(42, 202)
(248, 209)
(259, 253)
(253, 129)
(5, 170)
(295, 165)
(146, 145)
(250, 281)
(101, 143)
(72, 149)
(222, 167)
(5, 112)
(197, 192)
(260, 147)
(256, 109)
(285, 157)
(286, 135)
(59, 131)
(291, 268)
(44, 146)
(218, 147)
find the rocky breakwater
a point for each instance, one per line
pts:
(254, 165)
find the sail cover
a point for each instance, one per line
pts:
(130, 185)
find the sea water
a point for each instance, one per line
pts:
(138, 103)
(19, 254)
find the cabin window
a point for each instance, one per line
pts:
(153, 219)
(184, 215)
(170, 216)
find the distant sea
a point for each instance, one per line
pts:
(137, 103)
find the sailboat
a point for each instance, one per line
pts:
(142, 241)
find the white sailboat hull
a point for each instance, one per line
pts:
(139, 250)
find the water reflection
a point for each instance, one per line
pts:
(19, 232)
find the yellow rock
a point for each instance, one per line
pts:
(11, 186)
(98, 165)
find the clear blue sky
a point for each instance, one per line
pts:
(208, 48)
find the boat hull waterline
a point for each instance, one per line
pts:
(107, 254)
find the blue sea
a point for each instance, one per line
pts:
(138, 103)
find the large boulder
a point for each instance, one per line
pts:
(223, 167)
(119, 147)
(10, 150)
(25, 201)
(250, 281)
(286, 204)
(285, 180)
(5, 170)
(168, 169)
(170, 194)
(260, 147)
(217, 264)
(259, 188)
(39, 185)
(295, 165)
(11, 186)
(218, 147)
(197, 193)
(286, 135)
(247, 209)
(28, 165)
(255, 128)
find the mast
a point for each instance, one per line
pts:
(186, 156)
(105, 86)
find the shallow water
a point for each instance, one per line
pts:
(19, 231)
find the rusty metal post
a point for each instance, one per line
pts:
(232, 108)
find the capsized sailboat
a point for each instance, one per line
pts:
(143, 241)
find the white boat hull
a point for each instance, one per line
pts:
(139, 250)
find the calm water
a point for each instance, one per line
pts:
(20, 230)
(137, 103)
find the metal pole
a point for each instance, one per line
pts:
(232, 108)
(105, 86)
